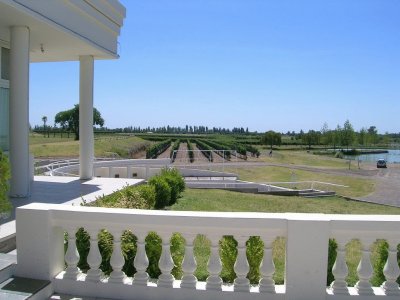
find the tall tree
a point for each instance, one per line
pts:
(372, 135)
(271, 138)
(326, 134)
(312, 137)
(362, 137)
(347, 134)
(44, 119)
(69, 119)
(337, 136)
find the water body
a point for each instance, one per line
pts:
(393, 156)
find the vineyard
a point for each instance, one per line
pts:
(199, 148)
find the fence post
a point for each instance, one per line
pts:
(306, 257)
(40, 245)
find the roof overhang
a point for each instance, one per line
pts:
(64, 30)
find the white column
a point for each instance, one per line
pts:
(19, 111)
(86, 140)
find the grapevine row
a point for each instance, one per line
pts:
(190, 151)
(218, 147)
(205, 149)
(174, 149)
(156, 149)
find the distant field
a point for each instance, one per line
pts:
(104, 146)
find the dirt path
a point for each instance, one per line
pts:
(199, 157)
(387, 188)
(182, 156)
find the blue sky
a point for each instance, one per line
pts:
(262, 64)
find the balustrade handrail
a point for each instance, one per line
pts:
(40, 238)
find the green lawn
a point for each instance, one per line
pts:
(302, 157)
(357, 187)
(220, 200)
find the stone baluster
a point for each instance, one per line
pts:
(340, 269)
(267, 268)
(241, 267)
(117, 260)
(166, 264)
(189, 264)
(391, 271)
(214, 267)
(72, 256)
(365, 270)
(141, 261)
(94, 258)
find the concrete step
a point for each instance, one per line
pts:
(18, 288)
(70, 297)
(7, 266)
(317, 194)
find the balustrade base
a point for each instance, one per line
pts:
(128, 290)
(391, 288)
(377, 293)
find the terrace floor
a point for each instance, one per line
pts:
(60, 190)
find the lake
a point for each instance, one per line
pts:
(393, 156)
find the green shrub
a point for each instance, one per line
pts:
(105, 244)
(228, 254)
(5, 175)
(163, 191)
(331, 260)
(254, 253)
(382, 253)
(175, 182)
(138, 196)
(148, 193)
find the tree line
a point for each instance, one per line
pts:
(341, 137)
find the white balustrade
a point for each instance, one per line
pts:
(241, 267)
(391, 271)
(189, 264)
(117, 260)
(267, 268)
(141, 261)
(72, 256)
(364, 269)
(40, 235)
(340, 269)
(214, 267)
(94, 258)
(166, 264)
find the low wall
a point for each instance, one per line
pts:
(41, 232)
